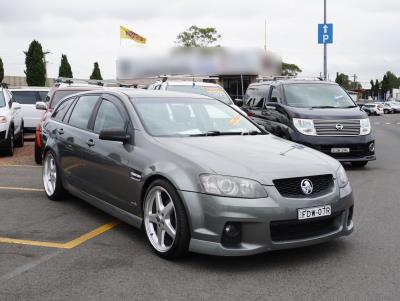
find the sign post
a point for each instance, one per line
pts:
(325, 36)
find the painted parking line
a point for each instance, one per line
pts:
(20, 188)
(68, 245)
(21, 165)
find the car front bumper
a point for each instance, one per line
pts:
(266, 223)
(359, 146)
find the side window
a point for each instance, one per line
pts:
(62, 109)
(108, 117)
(275, 96)
(258, 103)
(82, 111)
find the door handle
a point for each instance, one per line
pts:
(90, 142)
(60, 131)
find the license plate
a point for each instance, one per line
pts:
(340, 150)
(307, 213)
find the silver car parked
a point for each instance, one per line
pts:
(194, 173)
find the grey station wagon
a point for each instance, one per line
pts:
(193, 173)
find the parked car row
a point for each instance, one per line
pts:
(379, 108)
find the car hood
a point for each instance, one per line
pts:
(337, 114)
(262, 158)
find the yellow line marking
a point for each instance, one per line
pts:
(68, 245)
(20, 188)
(21, 165)
(85, 237)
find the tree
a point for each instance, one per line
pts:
(198, 37)
(385, 85)
(1, 70)
(65, 67)
(96, 74)
(342, 80)
(392, 80)
(35, 65)
(290, 69)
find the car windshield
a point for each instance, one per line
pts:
(2, 100)
(210, 91)
(171, 117)
(60, 94)
(317, 96)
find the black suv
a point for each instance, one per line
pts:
(315, 113)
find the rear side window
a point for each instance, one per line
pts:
(108, 117)
(62, 109)
(25, 97)
(82, 111)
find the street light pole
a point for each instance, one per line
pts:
(325, 48)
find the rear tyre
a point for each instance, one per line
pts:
(51, 178)
(386, 111)
(165, 221)
(38, 155)
(20, 140)
(359, 163)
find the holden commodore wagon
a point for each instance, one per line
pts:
(193, 173)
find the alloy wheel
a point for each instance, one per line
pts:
(160, 219)
(49, 174)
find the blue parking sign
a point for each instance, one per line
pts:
(325, 33)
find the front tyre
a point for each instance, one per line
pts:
(20, 140)
(51, 178)
(9, 149)
(165, 221)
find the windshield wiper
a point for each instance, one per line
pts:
(218, 133)
(324, 107)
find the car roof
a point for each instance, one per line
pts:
(144, 93)
(291, 81)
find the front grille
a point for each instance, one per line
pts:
(356, 150)
(291, 187)
(294, 229)
(347, 127)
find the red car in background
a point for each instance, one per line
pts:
(56, 93)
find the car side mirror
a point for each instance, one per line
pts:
(114, 135)
(40, 105)
(238, 102)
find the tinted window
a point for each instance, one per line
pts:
(317, 95)
(62, 109)
(25, 97)
(275, 96)
(2, 100)
(43, 95)
(60, 94)
(82, 111)
(108, 117)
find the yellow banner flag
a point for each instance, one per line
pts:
(125, 33)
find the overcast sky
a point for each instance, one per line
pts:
(366, 32)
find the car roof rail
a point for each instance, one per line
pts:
(65, 80)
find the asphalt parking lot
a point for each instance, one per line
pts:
(69, 250)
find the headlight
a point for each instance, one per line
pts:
(342, 177)
(232, 186)
(365, 126)
(3, 119)
(305, 126)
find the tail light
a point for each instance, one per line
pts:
(250, 113)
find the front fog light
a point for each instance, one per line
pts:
(371, 147)
(232, 234)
